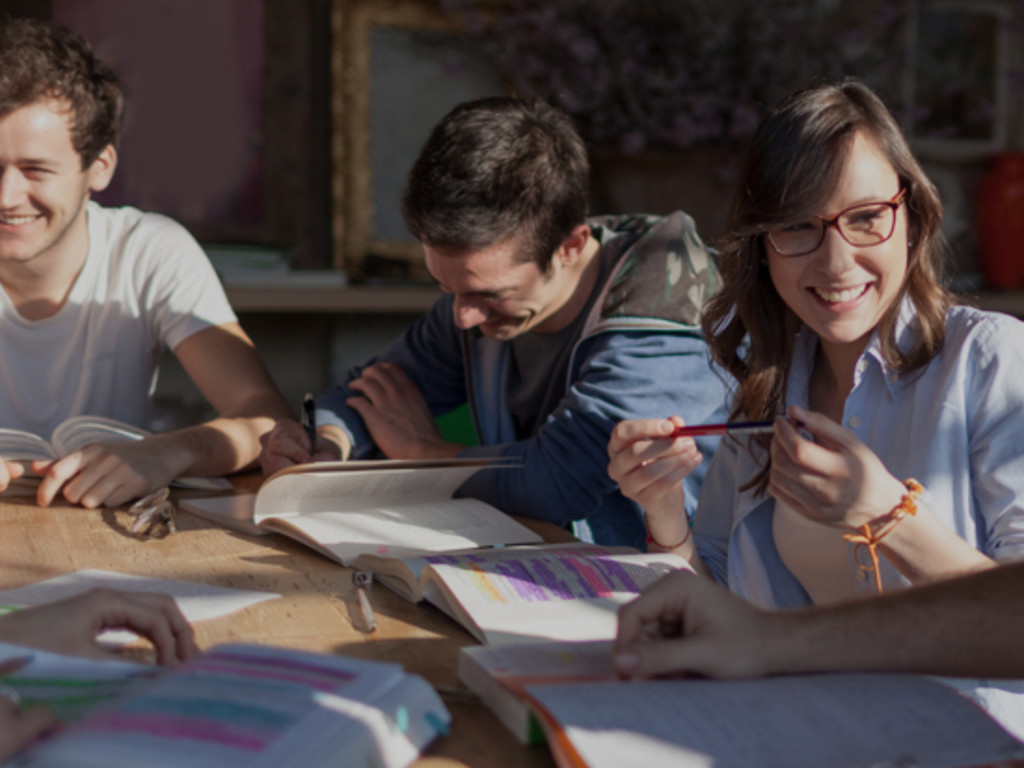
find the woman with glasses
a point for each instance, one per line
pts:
(897, 450)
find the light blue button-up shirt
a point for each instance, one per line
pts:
(957, 426)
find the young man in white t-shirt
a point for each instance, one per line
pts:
(92, 296)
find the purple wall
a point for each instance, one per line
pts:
(193, 73)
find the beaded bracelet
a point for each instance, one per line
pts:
(871, 534)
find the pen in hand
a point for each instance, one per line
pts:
(309, 420)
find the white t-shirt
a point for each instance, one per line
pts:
(146, 286)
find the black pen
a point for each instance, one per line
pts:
(309, 420)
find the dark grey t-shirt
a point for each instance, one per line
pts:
(538, 367)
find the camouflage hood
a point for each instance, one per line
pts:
(662, 273)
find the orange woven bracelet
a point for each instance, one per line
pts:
(871, 534)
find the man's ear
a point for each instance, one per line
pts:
(102, 169)
(574, 245)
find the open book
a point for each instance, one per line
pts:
(344, 509)
(249, 705)
(568, 691)
(806, 721)
(499, 675)
(527, 593)
(77, 432)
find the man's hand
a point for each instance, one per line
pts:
(287, 444)
(686, 623)
(70, 626)
(10, 470)
(397, 416)
(110, 473)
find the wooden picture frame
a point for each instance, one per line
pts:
(397, 67)
(958, 80)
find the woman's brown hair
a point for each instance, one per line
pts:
(793, 165)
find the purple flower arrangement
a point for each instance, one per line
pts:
(677, 73)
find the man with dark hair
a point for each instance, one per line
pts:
(554, 328)
(91, 296)
(496, 168)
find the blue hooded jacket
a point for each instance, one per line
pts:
(640, 354)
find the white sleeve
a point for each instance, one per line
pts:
(178, 291)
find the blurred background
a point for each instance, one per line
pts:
(280, 131)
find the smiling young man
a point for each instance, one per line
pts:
(553, 328)
(92, 296)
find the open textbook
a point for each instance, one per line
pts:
(527, 593)
(256, 706)
(344, 509)
(569, 692)
(804, 721)
(77, 432)
(499, 675)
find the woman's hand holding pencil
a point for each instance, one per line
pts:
(649, 464)
(649, 461)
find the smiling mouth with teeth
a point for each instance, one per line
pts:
(840, 297)
(16, 220)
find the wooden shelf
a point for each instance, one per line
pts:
(331, 299)
(332, 296)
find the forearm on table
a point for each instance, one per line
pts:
(226, 444)
(970, 626)
(345, 428)
(429, 352)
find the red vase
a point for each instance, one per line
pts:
(1001, 221)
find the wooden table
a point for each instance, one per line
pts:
(317, 610)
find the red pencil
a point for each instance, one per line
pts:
(735, 428)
